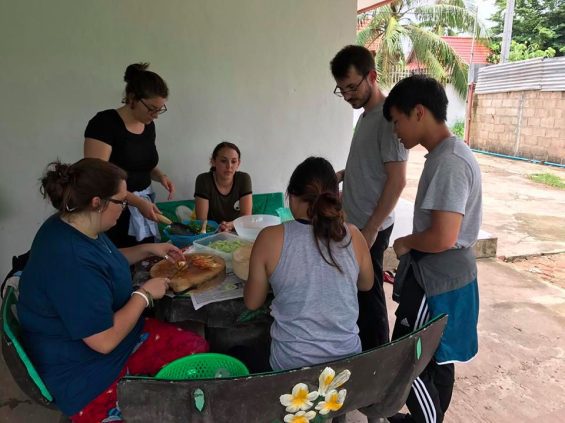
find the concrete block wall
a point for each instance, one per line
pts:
(528, 124)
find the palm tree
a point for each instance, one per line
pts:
(419, 25)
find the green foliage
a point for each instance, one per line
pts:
(419, 24)
(548, 179)
(520, 51)
(458, 128)
(538, 28)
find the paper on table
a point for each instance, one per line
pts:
(230, 288)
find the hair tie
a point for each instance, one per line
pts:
(67, 208)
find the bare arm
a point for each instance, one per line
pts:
(366, 275)
(440, 236)
(124, 321)
(159, 176)
(202, 206)
(257, 285)
(246, 205)
(96, 149)
(264, 258)
(395, 183)
(126, 318)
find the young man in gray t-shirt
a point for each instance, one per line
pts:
(373, 178)
(441, 274)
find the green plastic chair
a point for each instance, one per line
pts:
(16, 359)
(203, 366)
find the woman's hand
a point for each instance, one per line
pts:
(169, 186)
(148, 210)
(226, 226)
(167, 251)
(157, 287)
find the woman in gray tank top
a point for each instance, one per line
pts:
(315, 265)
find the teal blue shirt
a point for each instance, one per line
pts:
(69, 290)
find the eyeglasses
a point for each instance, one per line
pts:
(123, 203)
(339, 92)
(154, 111)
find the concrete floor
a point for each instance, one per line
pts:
(519, 373)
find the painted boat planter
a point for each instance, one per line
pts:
(378, 384)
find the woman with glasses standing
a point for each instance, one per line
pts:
(126, 137)
(81, 319)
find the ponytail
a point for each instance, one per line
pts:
(314, 181)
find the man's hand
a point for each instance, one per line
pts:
(340, 175)
(400, 247)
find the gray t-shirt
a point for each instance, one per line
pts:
(450, 181)
(315, 308)
(374, 144)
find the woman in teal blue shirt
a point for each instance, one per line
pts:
(80, 316)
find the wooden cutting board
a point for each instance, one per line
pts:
(202, 271)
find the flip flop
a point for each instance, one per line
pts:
(388, 277)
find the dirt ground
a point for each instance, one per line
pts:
(519, 373)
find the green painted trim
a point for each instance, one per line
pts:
(7, 317)
(418, 348)
(199, 399)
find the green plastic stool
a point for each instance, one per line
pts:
(203, 366)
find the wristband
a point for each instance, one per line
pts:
(141, 294)
(148, 295)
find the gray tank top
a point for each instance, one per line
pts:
(315, 308)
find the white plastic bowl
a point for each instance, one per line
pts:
(248, 227)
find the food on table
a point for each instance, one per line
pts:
(163, 219)
(227, 246)
(240, 261)
(198, 269)
(191, 228)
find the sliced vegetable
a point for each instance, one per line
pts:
(227, 246)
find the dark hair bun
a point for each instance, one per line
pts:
(55, 182)
(70, 188)
(133, 70)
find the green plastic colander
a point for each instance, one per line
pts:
(203, 366)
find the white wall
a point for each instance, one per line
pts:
(455, 107)
(255, 72)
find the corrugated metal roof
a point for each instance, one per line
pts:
(540, 74)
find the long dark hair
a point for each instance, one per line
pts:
(314, 181)
(71, 187)
(142, 83)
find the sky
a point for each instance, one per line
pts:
(486, 10)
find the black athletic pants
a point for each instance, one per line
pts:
(373, 317)
(431, 392)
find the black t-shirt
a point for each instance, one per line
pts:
(135, 153)
(222, 207)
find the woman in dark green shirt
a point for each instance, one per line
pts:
(223, 194)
